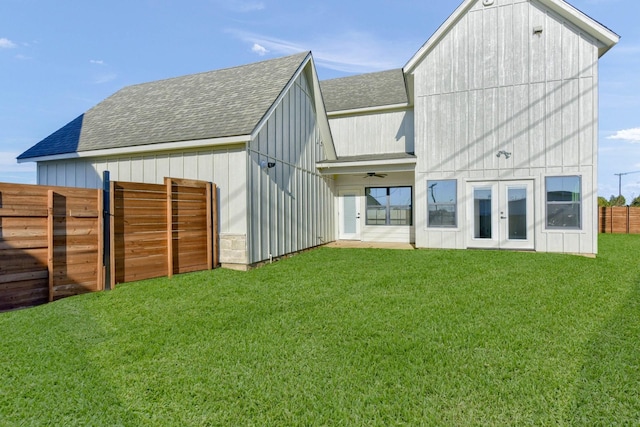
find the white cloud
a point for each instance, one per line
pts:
(104, 78)
(96, 61)
(6, 43)
(248, 6)
(243, 6)
(260, 50)
(630, 135)
(351, 52)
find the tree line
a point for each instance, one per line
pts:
(617, 201)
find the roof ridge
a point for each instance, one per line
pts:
(363, 74)
(234, 67)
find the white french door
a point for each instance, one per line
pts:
(349, 214)
(501, 214)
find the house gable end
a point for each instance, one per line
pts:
(308, 71)
(606, 38)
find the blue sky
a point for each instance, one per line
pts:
(58, 59)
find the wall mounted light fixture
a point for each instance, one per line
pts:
(265, 164)
(506, 154)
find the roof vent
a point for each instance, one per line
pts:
(537, 30)
(487, 2)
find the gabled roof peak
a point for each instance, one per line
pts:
(592, 27)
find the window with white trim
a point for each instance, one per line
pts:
(442, 203)
(389, 205)
(564, 202)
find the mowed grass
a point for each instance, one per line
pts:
(341, 337)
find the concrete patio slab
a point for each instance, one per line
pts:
(375, 245)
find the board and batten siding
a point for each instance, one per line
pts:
(226, 167)
(374, 133)
(493, 84)
(290, 205)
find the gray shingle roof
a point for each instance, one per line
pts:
(215, 104)
(364, 91)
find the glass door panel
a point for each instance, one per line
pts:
(349, 214)
(349, 217)
(482, 213)
(517, 212)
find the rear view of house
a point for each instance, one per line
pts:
(486, 138)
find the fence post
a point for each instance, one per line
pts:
(209, 226)
(610, 210)
(106, 235)
(169, 188)
(628, 219)
(214, 207)
(50, 253)
(100, 224)
(112, 232)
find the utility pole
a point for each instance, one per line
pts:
(619, 175)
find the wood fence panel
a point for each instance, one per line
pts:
(49, 243)
(24, 280)
(190, 225)
(138, 231)
(619, 220)
(77, 235)
(634, 220)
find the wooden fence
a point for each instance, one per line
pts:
(159, 230)
(51, 243)
(619, 220)
(53, 239)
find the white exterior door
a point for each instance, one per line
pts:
(349, 214)
(501, 214)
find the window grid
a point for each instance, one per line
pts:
(389, 206)
(563, 202)
(442, 203)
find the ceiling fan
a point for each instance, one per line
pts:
(377, 175)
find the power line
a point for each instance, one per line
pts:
(619, 175)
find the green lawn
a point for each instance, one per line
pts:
(341, 337)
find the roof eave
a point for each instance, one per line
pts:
(592, 27)
(321, 113)
(142, 149)
(265, 118)
(438, 35)
(349, 167)
(366, 110)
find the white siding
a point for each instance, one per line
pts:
(492, 84)
(375, 133)
(224, 167)
(290, 206)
